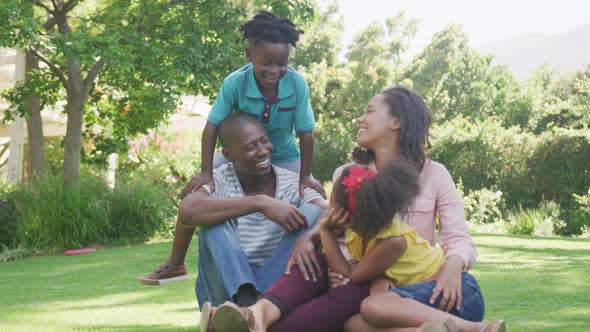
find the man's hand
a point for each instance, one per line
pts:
(304, 255)
(448, 284)
(381, 285)
(310, 182)
(197, 182)
(283, 214)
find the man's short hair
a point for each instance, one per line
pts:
(231, 124)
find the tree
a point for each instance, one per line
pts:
(454, 79)
(146, 51)
(340, 91)
(124, 63)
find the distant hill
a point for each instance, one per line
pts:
(568, 51)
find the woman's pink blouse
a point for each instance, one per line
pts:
(438, 195)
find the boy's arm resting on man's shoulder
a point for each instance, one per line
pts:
(208, 147)
(205, 176)
(306, 180)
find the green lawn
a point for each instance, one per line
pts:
(537, 284)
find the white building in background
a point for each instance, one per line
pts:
(12, 136)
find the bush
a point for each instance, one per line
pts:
(42, 215)
(163, 155)
(139, 210)
(580, 221)
(47, 216)
(558, 168)
(483, 154)
(333, 147)
(543, 221)
(8, 220)
(482, 206)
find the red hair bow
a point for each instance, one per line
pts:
(353, 182)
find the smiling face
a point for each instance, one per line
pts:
(270, 62)
(377, 126)
(250, 150)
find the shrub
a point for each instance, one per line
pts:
(42, 215)
(544, 220)
(163, 155)
(138, 210)
(482, 206)
(47, 216)
(482, 153)
(580, 221)
(558, 168)
(333, 146)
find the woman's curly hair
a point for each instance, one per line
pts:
(268, 27)
(380, 197)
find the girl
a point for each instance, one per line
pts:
(362, 204)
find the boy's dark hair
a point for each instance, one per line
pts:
(379, 198)
(414, 117)
(268, 27)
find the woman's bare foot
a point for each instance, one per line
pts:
(263, 313)
(495, 326)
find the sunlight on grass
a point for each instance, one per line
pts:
(537, 284)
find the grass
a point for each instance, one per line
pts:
(537, 284)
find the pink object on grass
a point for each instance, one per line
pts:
(79, 251)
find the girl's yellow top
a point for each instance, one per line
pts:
(419, 262)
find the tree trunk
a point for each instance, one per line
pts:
(73, 140)
(36, 166)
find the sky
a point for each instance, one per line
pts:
(484, 21)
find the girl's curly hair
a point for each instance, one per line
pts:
(268, 27)
(380, 197)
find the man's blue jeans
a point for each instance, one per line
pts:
(224, 267)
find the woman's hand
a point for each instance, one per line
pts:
(448, 284)
(336, 220)
(381, 285)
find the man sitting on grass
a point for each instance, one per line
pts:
(251, 223)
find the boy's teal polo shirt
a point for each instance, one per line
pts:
(290, 113)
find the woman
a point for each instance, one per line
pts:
(396, 124)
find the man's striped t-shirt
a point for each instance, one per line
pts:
(260, 236)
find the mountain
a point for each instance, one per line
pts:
(567, 51)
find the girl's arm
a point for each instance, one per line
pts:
(384, 254)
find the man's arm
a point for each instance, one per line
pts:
(201, 209)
